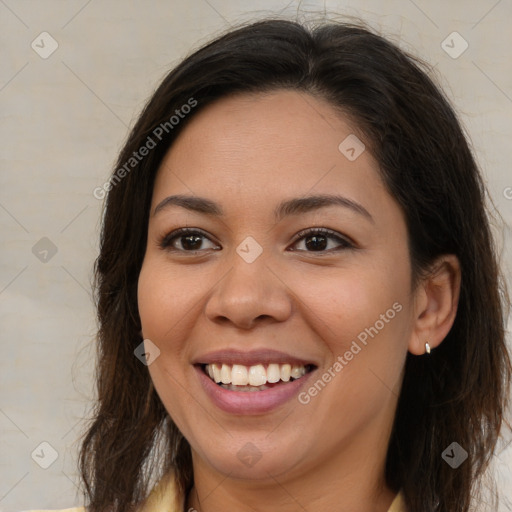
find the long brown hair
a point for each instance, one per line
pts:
(459, 393)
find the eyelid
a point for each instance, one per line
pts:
(164, 242)
(346, 242)
(349, 243)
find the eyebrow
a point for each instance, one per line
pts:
(284, 209)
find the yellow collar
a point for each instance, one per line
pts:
(165, 498)
(398, 504)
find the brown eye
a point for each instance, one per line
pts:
(184, 239)
(317, 240)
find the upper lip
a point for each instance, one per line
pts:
(250, 358)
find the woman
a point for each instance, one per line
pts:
(297, 289)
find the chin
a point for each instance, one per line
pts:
(262, 466)
(250, 457)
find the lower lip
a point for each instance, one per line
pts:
(250, 402)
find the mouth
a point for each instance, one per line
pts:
(253, 382)
(258, 377)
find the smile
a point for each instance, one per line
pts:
(259, 377)
(253, 382)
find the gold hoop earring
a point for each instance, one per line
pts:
(427, 348)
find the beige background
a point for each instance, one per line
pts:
(63, 119)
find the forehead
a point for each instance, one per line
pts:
(258, 147)
(252, 123)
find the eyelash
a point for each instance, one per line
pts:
(165, 242)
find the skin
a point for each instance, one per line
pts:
(247, 153)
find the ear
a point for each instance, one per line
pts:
(435, 304)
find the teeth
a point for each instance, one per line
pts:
(225, 374)
(273, 373)
(216, 372)
(231, 387)
(257, 375)
(239, 375)
(296, 372)
(253, 376)
(286, 372)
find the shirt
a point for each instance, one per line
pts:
(165, 498)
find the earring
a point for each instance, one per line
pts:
(427, 348)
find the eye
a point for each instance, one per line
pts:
(191, 240)
(317, 240)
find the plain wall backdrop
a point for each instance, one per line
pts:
(74, 75)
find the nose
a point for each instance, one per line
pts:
(249, 293)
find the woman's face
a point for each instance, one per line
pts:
(249, 291)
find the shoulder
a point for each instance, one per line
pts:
(164, 497)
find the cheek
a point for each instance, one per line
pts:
(163, 314)
(345, 302)
(362, 318)
(165, 299)
(166, 318)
